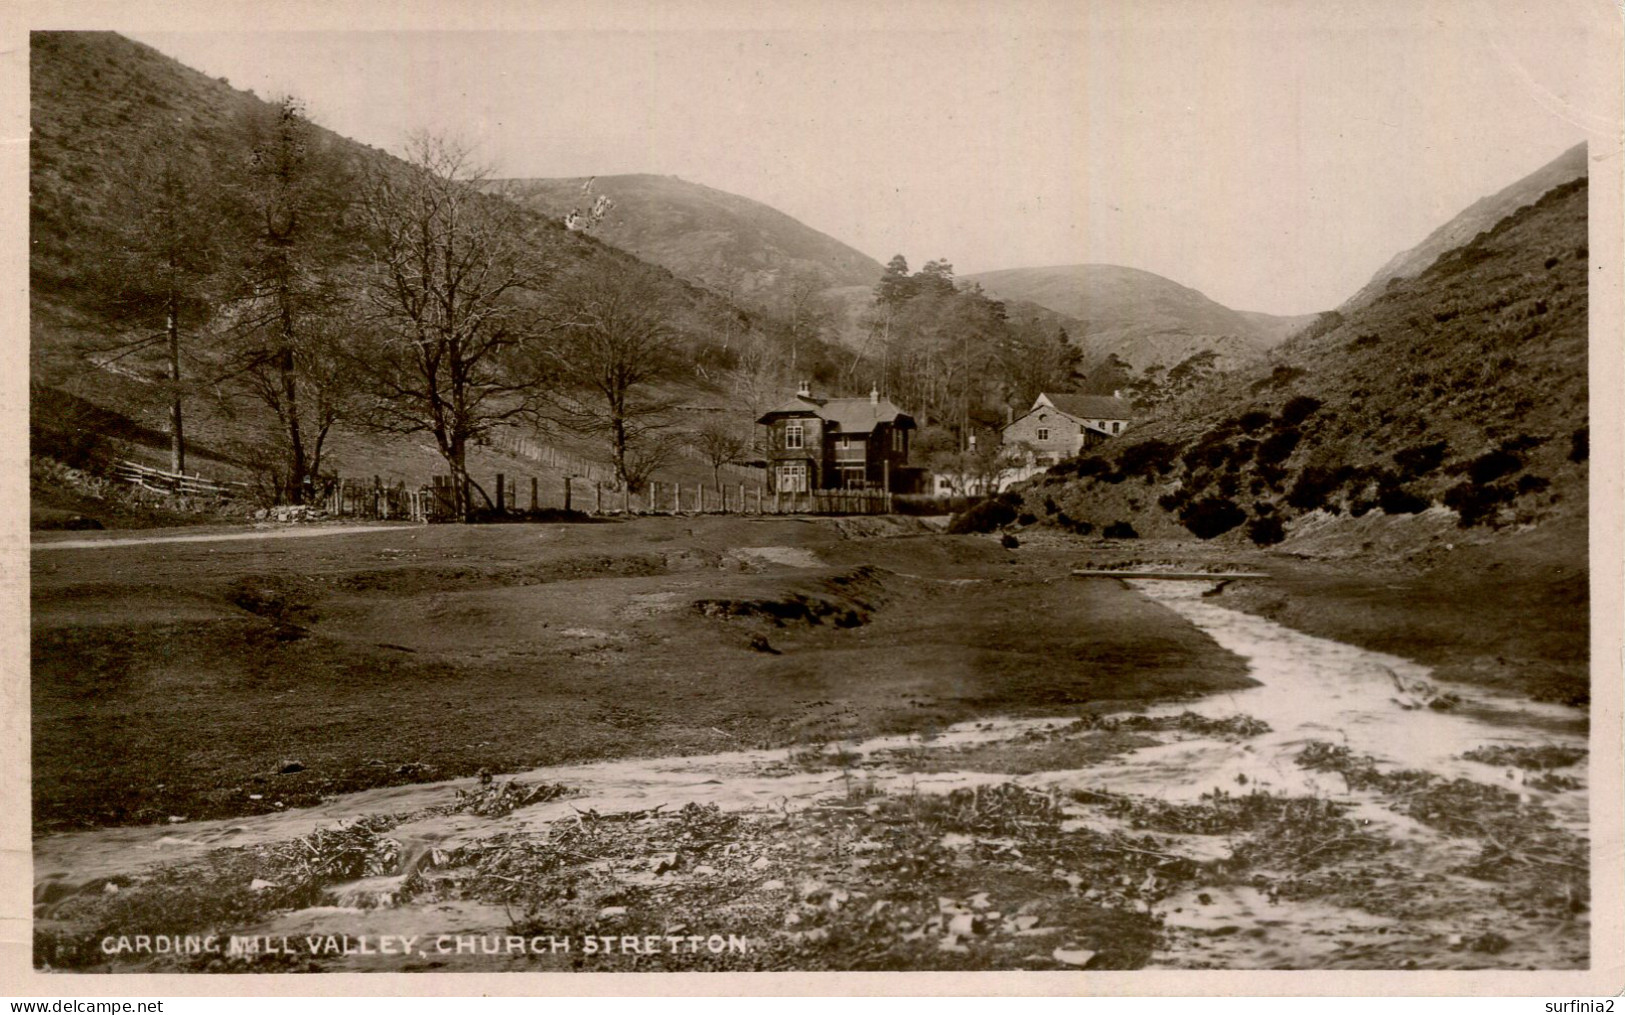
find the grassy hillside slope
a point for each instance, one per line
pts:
(1477, 217)
(1143, 318)
(1452, 407)
(98, 102)
(710, 236)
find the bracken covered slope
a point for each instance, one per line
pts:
(1451, 408)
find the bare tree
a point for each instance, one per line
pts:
(453, 302)
(720, 441)
(616, 338)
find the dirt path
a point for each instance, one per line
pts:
(303, 532)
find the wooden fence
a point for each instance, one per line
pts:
(350, 498)
(159, 481)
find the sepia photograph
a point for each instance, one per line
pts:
(1091, 487)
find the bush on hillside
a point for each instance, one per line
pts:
(1580, 445)
(1073, 525)
(1253, 420)
(1316, 485)
(1145, 457)
(1395, 499)
(1081, 466)
(1280, 377)
(1492, 465)
(1278, 446)
(1211, 516)
(1416, 462)
(1475, 504)
(1120, 530)
(1530, 483)
(1298, 409)
(1266, 531)
(986, 516)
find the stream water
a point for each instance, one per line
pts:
(1309, 689)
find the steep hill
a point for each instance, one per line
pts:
(1450, 409)
(98, 102)
(1143, 318)
(1477, 217)
(730, 243)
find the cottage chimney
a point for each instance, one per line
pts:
(1117, 393)
(805, 390)
(874, 396)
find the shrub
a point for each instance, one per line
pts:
(1580, 445)
(986, 516)
(1278, 446)
(1071, 524)
(1315, 486)
(1082, 466)
(1521, 443)
(1140, 459)
(1266, 531)
(1369, 338)
(1211, 516)
(1026, 518)
(1529, 483)
(1418, 461)
(1492, 465)
(1173, 500)
(1120, 530)
(1009, 542)
(1397, 500)
(1551, 262)
(1253, 420)
(1476, 504)
(1279, 377)
(1298, 409)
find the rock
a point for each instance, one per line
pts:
(260, 885)
(290, 767)
(979, 900)
(1079, 957)
(772, 886)
(705, 870)
(963, 925)
(110, 888)
(611, 912)
(176, 819)
(1027, 922)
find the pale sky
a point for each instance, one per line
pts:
(1271, 154)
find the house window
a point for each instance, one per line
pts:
(794, 439)
(793, 477)
(1043, 433)
(897, 440)
(1117, 427)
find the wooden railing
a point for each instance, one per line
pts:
(159, 481)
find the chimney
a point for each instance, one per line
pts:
(1117, 393)
(805, 390)
(874, 396)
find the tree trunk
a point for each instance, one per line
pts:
(297, 467)
(177, 438)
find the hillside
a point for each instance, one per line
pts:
(1477, 217)
(99, 103)
(1450, 409)
(721, 240)
(1143, 318)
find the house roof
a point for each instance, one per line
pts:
(1089, 406)
(850, 415)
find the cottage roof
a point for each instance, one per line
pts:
(849, 415)
(1090, 406)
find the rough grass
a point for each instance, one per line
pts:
(431, 653)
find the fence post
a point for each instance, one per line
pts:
(742, 498)
(502, 481)
(566, 493)
(626, 499)
(533, 493)
(597, 498)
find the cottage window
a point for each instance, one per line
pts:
(1117, 427)
(794, 438)
(1043, 433)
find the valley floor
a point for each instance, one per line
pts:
(847, 743)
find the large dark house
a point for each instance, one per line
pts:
(838, 444)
